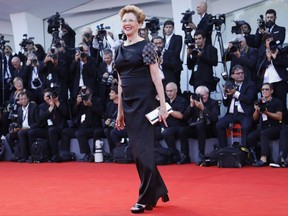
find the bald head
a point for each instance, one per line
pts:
(16, 62)
(202, 8)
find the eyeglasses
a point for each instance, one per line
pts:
(265, 89)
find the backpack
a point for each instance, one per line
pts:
(40, 151)
(164, 156)
(123, 154)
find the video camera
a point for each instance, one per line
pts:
(101, 32)
(186, 20)
(54, 23)
(153, 25)
(237, 29)
(261, 22)
(26, 41)
(3, 42)
(216, 20)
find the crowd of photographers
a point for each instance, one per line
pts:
(71, 91)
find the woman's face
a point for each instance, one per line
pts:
(18, 85)
(130, 24)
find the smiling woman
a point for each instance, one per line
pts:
(139, 83)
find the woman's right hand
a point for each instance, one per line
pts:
(120, 123)
(163, 115)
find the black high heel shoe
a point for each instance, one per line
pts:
(138, 208)
(164, 198)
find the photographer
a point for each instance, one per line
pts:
(53, 119)
(107, 75)
(267, 26)
(202, 115)
(87, 116)
(172, 64)
(271, 68)
(238, 97)
(27, 119)
(113, 135)
(239, 53)
(268, 114)
(55, 70)
(83, 69)
(201, 60)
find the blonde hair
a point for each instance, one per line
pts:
(139, 13)
(16, 79)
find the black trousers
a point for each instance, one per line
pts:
(264, 136)
(24, 143)
(221, 126)
(200, 132)
(82, 135)
(170, 135)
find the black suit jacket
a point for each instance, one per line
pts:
(33, 116)
(207, 28)
(278, 33)
(171, 56)
(89, 75)
(204, 73)
(246, 98)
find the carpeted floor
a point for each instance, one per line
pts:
(100, 189)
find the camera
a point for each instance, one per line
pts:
(235, 46)
(261, 22)
(54, 23)
(195, 51)
(13, 117)
(101, 34)
(34, 61)
(262, 105)
(36, 82)
(224, 75)
(122, 36)
(216, 20)
(153, 25)
(237, 29)
(196, 97)
(112, 123)
(3, 42)
(84, 96)
(274, 46)
(186, 20)
(229, 85)
(26, 41)
(55, 88)
(81, 51)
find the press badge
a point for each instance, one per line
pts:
(83, 117)
(195, 67)
(49, 122)
(264, 117)
(237, 103)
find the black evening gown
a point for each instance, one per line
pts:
(138, 94)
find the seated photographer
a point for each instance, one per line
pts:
(202, 115)
(271, 68)
(107, 75)
(87, 116)
(109, 122)
(238, 52)
(175, 119)
(238, 97)
(201, 59)
(268, 114)
(27, 119)
(53, 119)
(13, 105)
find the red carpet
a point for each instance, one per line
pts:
(88, 189)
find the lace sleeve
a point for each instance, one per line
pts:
(149, 54)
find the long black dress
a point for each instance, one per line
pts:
(138, 96)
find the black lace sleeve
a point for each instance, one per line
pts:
(149, 54)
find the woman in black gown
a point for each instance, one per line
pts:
(139, 83)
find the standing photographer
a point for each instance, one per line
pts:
(202, 115)
(238, 52)
(268, 113)
(201, 60)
